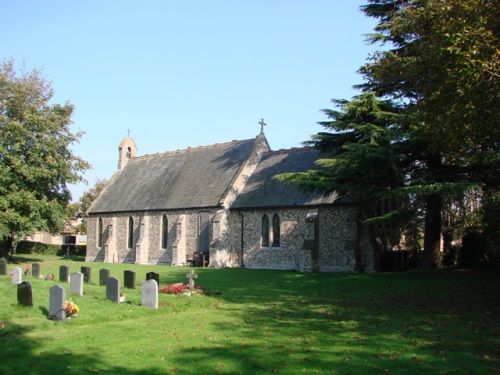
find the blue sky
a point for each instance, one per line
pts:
(180, 73)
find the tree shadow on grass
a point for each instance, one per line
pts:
(23, 259)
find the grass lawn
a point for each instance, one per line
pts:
(258, 322)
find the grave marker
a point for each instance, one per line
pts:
(153, 275)
(129, 277)
(191, 276)
(113, 289)
(3, 267)
(24, 294)
(104, 274)
(35, 270)
(57, 301)
(76, 283)
(64, 274)
(17, 275)
(87, 274)
(150, 294)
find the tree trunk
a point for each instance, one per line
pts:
(432, 235)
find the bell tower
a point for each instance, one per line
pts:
(126, 151)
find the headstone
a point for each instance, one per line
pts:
(17, 275)
(64, 274)
(24, 294)
(87, 274)
(57, 301)
(35, 270)
(150, 294)
(129, 277)
(153, 275)
(104, 274)
(113, 289)
(76, 283)
(3, 267)
(191, 276)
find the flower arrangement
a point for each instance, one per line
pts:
(71, 308)
(50, 276)
(27, 270)
(178, 288)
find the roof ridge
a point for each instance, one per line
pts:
(189, 148)
(289, 150)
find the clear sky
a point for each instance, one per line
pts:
(180, 73)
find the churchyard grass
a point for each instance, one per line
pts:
(258, 322)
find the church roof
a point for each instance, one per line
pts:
(262, 190)
(192, 178)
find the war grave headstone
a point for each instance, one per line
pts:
(191, 276)
(104, 274)
(153, 275)
(24, 294)
(57, 300)
(76, 283)
(150, 294)
(64, 274)
(17, 275)
(35, 270)
(113, 289)
(129, 278)
(3, 267)
(87, 274)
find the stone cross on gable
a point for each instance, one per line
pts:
(191, 276)
(128, 132)
(262, 124)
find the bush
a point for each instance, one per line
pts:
(28, 247)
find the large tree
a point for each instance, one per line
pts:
(444, 66)
(36, 162)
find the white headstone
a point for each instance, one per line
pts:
(57, 301)
(76, 283)
(17, 275)
(150, 294)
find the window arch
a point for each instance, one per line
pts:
(276, 230)
(265, 231)
(164, 232)
(99, 232)
(130, 232)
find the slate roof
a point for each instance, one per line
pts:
(263, 191)
(192, 178)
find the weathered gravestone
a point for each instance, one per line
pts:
(56, 303)
(87, 274)
(24, 294)
(154, 276)
(129, 277)
(191, 276)
(76, 283)
(104, 274)
(150, 294)
(64, 274)
(17, 275)
(3, 267)
(113, 289)
(35, 270)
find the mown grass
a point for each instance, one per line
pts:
(259, 322)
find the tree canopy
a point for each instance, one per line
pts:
(36, 161)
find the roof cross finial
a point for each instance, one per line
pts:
(262, 124)
(128, 132)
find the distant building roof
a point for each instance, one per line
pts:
(262, 190)
(191, 178)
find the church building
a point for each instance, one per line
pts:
(222, 203)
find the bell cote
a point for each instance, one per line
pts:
(126, 151)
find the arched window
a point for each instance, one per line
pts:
(164, 232)
(99, 233)
(130, 232)
(265, 231)
(276, 231)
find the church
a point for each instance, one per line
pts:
(221, 203)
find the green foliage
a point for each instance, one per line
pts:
(259, 322)
(86, 201)
(36, 163)
(29, 247)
